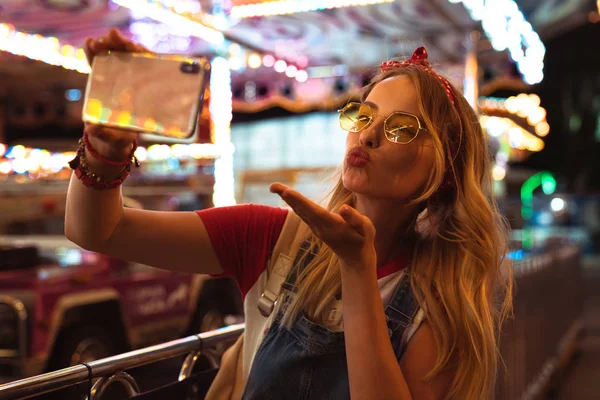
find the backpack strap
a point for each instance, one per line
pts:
(281, 262)
(403, 314)
(230, 380)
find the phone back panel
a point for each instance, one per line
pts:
(146, 93)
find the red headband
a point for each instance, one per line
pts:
(419, 58)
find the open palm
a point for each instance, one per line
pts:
(349, 234)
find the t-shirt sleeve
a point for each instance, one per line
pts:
(243, 238)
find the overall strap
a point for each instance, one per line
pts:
(401, 313)
(281, 262)
(303, 257)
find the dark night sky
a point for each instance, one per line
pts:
(570, 93)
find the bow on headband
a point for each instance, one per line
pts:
(419, 58)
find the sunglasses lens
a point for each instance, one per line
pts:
(401, 128)
(355, 117)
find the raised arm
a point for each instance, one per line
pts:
(177, 241)
(96, 219)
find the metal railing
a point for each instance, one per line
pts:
(548, 306)
(547, 321)
(112, 369)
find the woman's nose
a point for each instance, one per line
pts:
(369, 136)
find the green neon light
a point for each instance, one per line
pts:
(548, 185)
(544, 179)
(527, 239)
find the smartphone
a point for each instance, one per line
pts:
(148, 93)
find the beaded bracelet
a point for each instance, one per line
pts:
(91, 179)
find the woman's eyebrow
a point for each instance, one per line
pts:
(371, 104)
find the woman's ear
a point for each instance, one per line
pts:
(423, 223)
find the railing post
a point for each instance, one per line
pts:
(213, 358)
(122, 377)
(112, 366)
(192, 358)
(188, 365)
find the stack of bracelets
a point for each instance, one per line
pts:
(92, 180)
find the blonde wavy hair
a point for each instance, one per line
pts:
(458, 265)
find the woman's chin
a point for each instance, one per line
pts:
(357, 183)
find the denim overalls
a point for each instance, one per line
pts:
(308, 361)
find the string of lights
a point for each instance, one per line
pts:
(51, 51)
(524, 106)
(507, 28)
(157, 11)
(221, 113)
(294, 6)
(40, 48)
(20, 159)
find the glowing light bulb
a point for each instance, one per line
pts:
(254, 61)
(542, 129)
(280, 66)
(268, 60)
(515, 137)
(557, 204)
(291, 71)
(302, 76)
(498, 173)
(5, 167)
(236, 63)
(141, 154)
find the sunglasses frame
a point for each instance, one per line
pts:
(372, 118)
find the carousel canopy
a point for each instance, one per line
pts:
(310, 38)
(300, 48)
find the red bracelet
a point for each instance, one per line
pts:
(94, 182)
(97, 156)
(89, 178)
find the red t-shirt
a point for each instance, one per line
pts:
(244, 237)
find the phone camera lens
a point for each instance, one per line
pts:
(190, 68)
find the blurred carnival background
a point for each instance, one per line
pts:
(281, 70)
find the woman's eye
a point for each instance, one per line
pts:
(400, 128)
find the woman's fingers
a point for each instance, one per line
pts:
(93, 47)
(295, 200)
(314, 215)
(125, 44)
(361, 224)
(320, 219)
(114, 40)
(277, 188)
(119, 137)
(353, 218)
(115, 36)
(87, 48)
(120, 42)
(349, 234)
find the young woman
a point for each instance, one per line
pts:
(411, 204)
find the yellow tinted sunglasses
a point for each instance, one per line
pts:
(399, 127)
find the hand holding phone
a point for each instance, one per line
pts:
(111, 143)
(143, 92)
(131, 90)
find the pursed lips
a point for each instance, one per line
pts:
(359, 153)
(357, 157)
